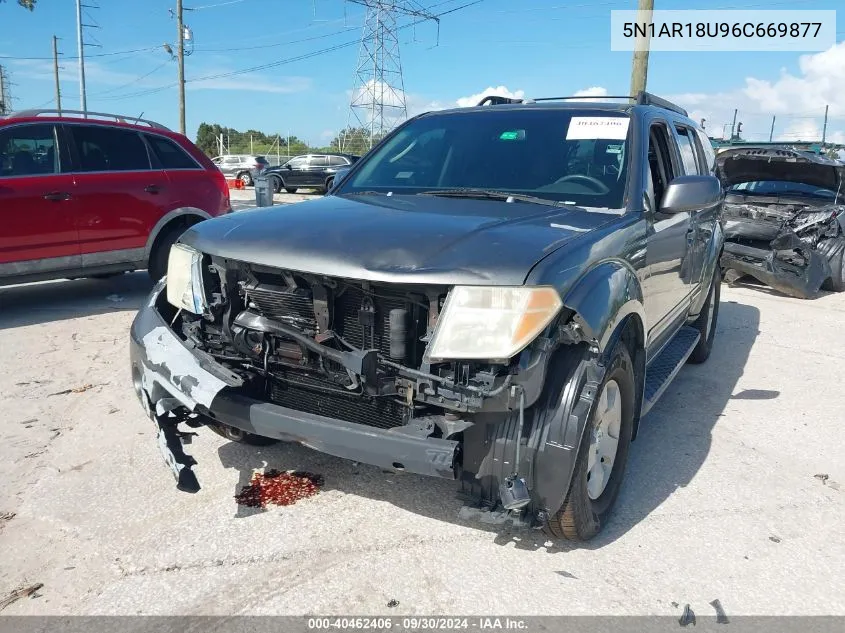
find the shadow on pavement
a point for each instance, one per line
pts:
(673, 442)
(49, 301)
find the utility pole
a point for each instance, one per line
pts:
(56, 74)
(82, 102)
(180, 54)
(733, 125)
(772, 130)
(5, 106)
(639, 64)
(824, 127)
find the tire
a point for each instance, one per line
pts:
(157, 265)
(588, 503)
(245, 178)
(241, 437)
(834, 251)
(706, 321)
(277, 184)
(328, 186)
(290, 189)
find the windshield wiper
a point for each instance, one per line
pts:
(487, 194)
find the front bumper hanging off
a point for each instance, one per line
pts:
(176, 384)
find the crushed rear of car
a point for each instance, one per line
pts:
(784, 219)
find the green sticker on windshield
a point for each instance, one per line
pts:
(509, 136)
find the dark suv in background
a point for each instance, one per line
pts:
(309, 171)
(97, 195)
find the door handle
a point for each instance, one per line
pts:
(57, 195)
(152, 189)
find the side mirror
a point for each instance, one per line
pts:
(691, 193)
(288, 167)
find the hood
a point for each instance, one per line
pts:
(748, 164)
(408, 239)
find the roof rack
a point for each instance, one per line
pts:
(642, 98)
(89, 115)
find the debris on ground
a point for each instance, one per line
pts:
(566, 574)
(687, 617)
(114, 298)
(81, 389)
(774, 539)
(675, 604)
(823, 477)
(17, 594)
(393, 603)
(5, 517)
(721, 616)
(279, 488)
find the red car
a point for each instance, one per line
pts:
(94, 195)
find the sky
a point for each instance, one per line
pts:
(309, 50)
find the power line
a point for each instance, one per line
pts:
(136, 50)
(134, 80)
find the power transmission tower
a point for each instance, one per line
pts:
(378, 94)
(81, 44)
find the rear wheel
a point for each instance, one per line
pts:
(276, 183)
(602, 455)
(328, 186)
(290, 189)
(242, 437)
(157, 266)
(706, 321)
(245, 178)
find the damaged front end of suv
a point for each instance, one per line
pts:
(784, 219)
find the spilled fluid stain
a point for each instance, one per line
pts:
(274, 487)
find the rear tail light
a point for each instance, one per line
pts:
(223, 186)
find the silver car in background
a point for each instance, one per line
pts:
(244, 167)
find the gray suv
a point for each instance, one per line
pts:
(244, 167)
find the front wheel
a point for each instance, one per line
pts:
(602, 455)
(160, 253)
(706, 321)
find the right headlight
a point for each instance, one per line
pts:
(184, 279)
(491, 322)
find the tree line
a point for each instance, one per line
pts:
(209, 135)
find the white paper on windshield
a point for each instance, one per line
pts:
(597, 127)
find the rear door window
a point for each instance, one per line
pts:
(102, 148)
(319, 161)
(169, 154)
(28, 150)
(337, 161)
(689, 155)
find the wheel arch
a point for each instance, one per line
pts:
(185, 216)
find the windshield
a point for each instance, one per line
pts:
(567, 156)
(782, 188)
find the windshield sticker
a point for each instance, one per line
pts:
(405, 174)
(514, 135)
(597, 127)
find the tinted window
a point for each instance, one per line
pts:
(28, 150)
(688, 153)
(337, 161)
(572, 156)
(298, 163)
(319, 161)
(169, 154)
(109, 149)
(231, 160)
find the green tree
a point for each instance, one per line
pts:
(26, 4)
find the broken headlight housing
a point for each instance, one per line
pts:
(185, 288)
(491, 322)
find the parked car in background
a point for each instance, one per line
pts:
(495, 295)
(87, 197)
(244, 167)
(309, 171)
(784, 219)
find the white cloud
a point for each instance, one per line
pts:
(592, 91)
(797, 102)
(500, 91)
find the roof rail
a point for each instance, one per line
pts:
(89, 115)
(646, 98)
(642, 98)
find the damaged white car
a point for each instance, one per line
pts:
(784, 219)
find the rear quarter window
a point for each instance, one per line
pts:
(169, 154)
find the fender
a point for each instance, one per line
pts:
(165, 220)
(711, 261)
(603, 298)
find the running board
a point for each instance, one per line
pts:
(666, 366)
